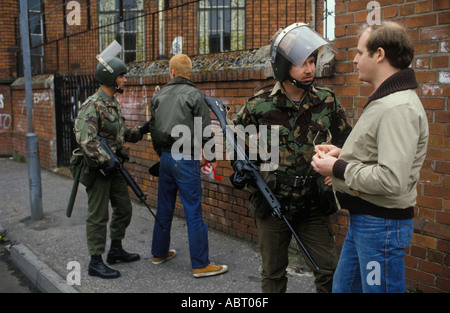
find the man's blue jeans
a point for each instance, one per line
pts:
(372, 257)
(183, 176)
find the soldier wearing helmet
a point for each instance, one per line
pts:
(101, 115)
(307, 115)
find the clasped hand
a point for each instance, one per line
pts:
(324, 159)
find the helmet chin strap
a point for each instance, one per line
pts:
(119, 90)
(299, 84)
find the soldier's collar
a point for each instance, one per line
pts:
(105, 96)
(310, 93)
(278, 87)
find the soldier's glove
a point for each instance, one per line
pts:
(144, 129)
(110, 168)
(243, 174)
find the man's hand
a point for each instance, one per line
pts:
(144, 129)
(323, 163)
(328, 149)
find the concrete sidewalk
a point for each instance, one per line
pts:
(49, 251)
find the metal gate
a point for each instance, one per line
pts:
(70, 92)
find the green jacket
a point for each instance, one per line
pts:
(101, 115)
(318, 118)
(179, 114)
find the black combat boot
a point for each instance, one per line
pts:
(98, 268)
(117, 254)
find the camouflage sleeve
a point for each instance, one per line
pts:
(244, 117)
(86, 129)
(340, 128)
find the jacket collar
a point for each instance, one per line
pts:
(180, 80)
(311, 94)
(106, 98)
(402, 80)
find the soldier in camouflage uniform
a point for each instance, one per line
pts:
(306, 115)
(101, 115)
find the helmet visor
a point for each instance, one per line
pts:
(297, 42)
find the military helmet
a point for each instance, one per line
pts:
(108, 69)
(293, 45)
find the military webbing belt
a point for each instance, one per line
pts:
(292, 180)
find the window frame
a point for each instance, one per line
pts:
(119, 18)
(206, 11)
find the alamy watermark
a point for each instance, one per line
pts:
(74, 16)
(374, 276)
(74, 276)
(374, 16)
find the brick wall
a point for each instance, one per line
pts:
(43, 119)
(8, 42)
(8, 71)
(427, 260)
(6, 121)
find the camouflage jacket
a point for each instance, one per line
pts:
(318, 119)
(101, 115)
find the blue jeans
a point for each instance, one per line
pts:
(181, 176)
(372, 257)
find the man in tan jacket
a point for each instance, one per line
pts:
(376, 173)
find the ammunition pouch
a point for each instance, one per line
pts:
(76, 160)
(87, 174)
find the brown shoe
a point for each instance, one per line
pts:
(210, 270)
(170, 255)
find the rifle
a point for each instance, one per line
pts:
(252, 170)
(130, 181)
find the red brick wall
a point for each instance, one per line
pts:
(9, 44)
(6, 121)
(427, 260)
(43, 119)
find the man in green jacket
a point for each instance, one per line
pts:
(375, 175)
(306, 115)
(179, 115)
(101, 115)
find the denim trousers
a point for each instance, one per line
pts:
(372, 257)
(179, 174)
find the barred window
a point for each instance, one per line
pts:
(120, 20)
(221, 25)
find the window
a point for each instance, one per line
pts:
(119, 20)
(36, 37)
(221, 25)
(329, 15)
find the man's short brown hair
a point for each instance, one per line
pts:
(182, 65)
(394, 39)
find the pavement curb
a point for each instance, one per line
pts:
(40, 274)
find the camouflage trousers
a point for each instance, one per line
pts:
(274, 238)
(101, 190)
